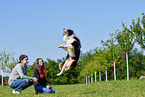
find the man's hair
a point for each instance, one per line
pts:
(22, 57)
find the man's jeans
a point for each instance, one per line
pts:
(21, 84)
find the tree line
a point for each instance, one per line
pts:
(118, 51)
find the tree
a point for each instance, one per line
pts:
(139, 31)
(113, 50)
(126, 42)
(7, 61)
(137, 64)
(97, 64)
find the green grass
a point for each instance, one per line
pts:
(132, 88)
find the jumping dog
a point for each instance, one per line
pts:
(73, 46)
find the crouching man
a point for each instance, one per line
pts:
(18, 79)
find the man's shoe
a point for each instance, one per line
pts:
(15, 92)
(36, 92)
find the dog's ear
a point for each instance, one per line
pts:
(69, 32)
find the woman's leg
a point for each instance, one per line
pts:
(39, 88)
(45, 90)
(52, 90)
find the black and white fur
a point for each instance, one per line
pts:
(73, 46)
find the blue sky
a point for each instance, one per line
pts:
(34, 27)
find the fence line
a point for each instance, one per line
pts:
(91, 78)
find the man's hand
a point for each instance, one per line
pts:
(48, 86)
(35, 80)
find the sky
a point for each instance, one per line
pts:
(35, 27)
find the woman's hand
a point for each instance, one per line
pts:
(35, 80)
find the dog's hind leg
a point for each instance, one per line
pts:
(61, 71)
(60, 66)
(69, 65)
(73, 65)
(63, 68)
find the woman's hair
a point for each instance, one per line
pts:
(37, 62)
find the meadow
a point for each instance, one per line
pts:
(132, 88)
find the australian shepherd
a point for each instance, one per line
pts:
(73, 46)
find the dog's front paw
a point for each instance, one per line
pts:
(61, 46)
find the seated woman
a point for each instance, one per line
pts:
(42, 86)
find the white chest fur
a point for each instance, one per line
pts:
(71, 47)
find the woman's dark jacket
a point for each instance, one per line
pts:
(40, 81)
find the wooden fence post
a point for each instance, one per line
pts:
(88, 79)
(106, 72)
(91, 78)
(100, 76)
(127, 66)
(114, 72)
(95, 78)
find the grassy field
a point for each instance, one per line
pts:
(132, 88)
